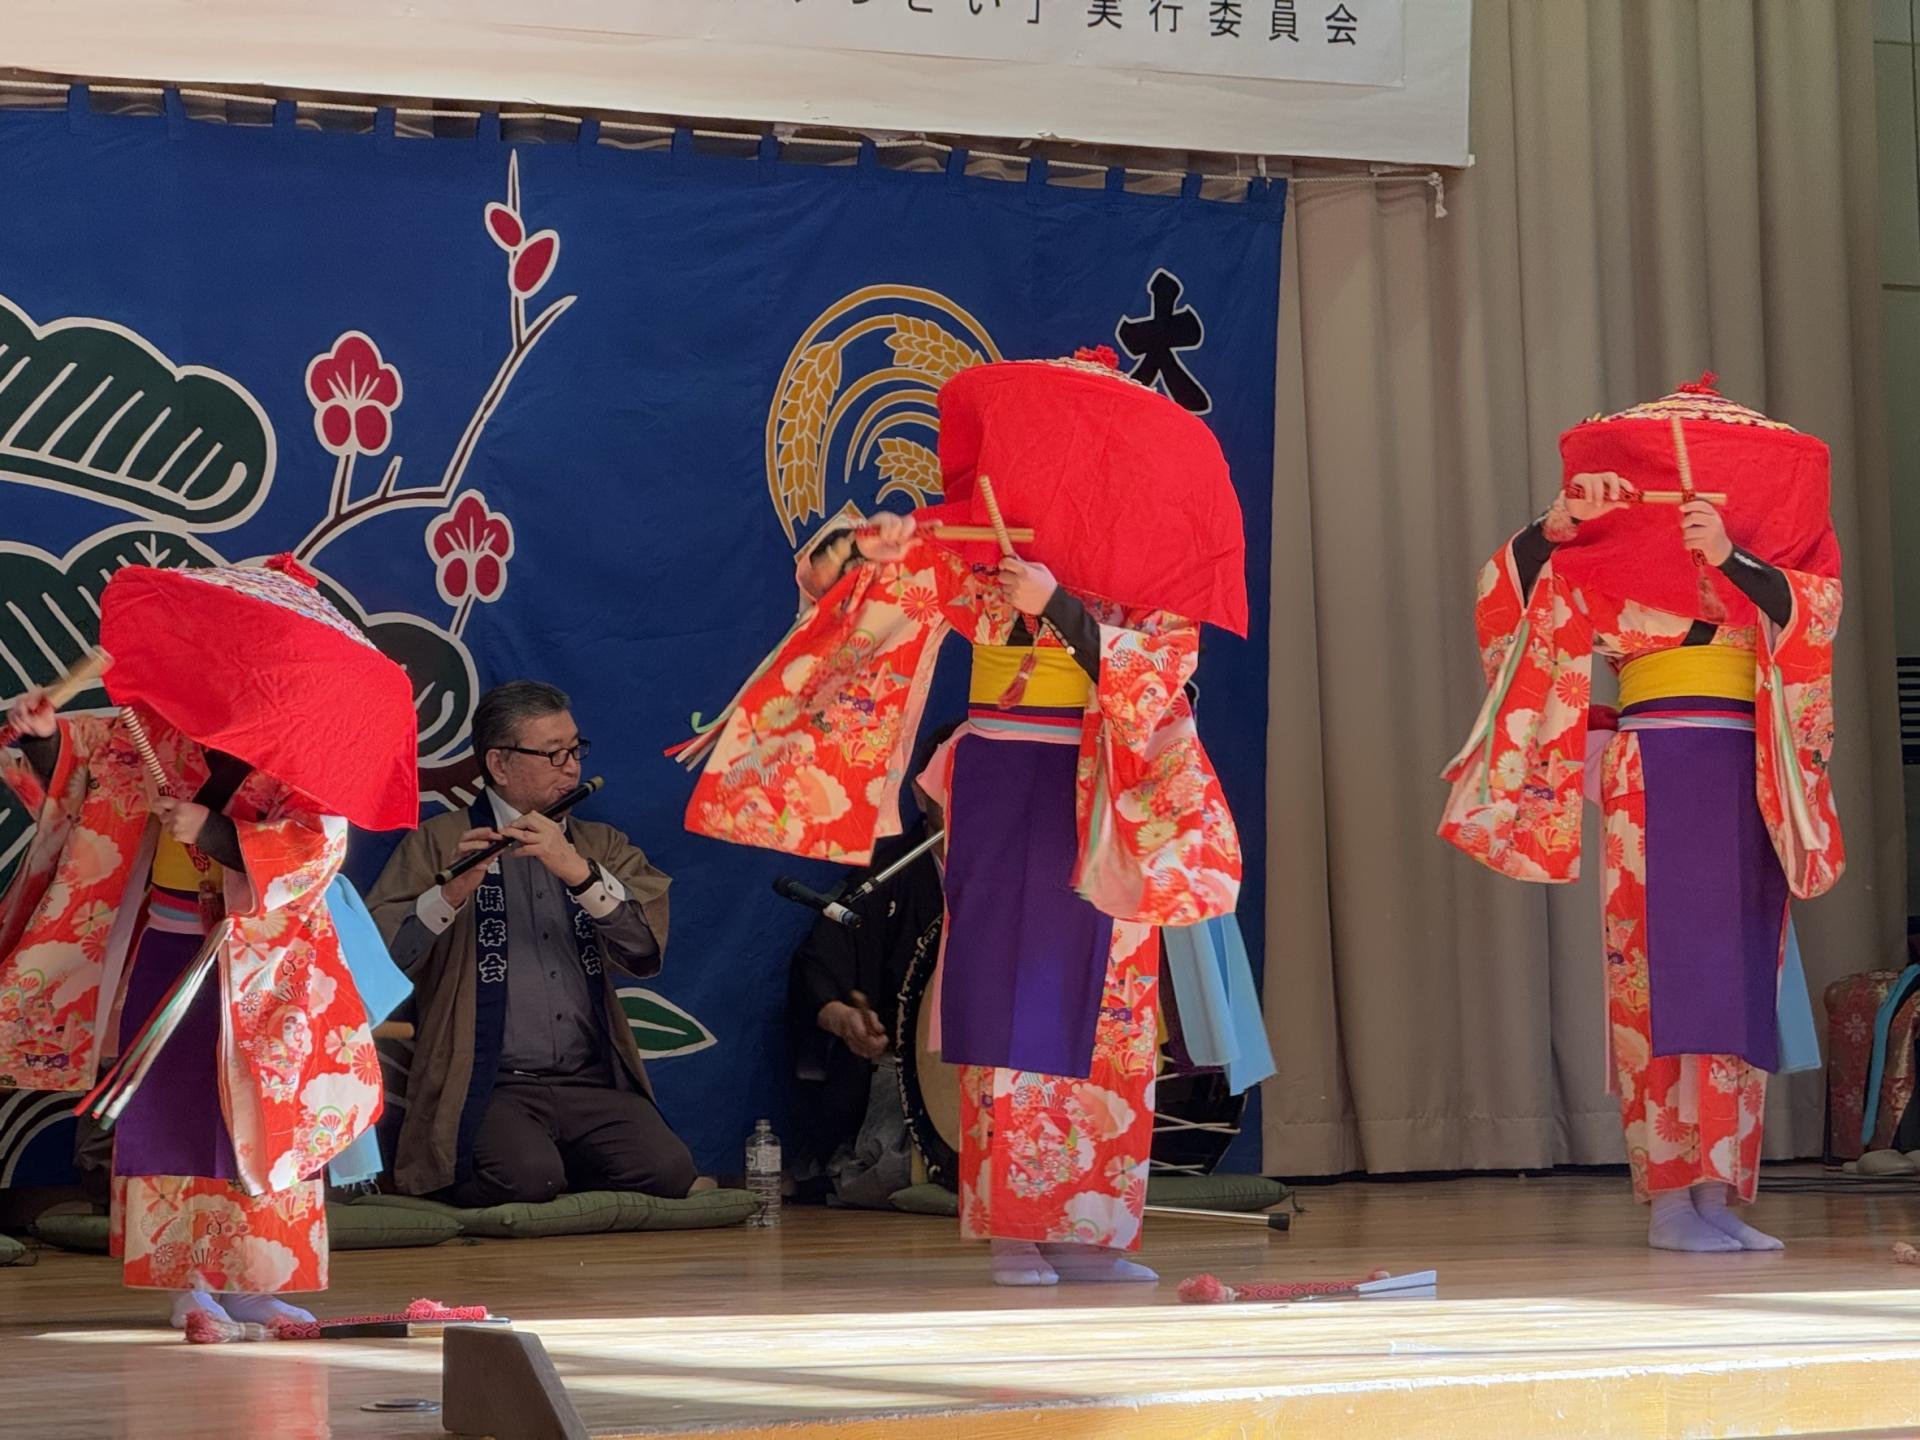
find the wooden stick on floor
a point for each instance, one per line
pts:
(1267, 1219)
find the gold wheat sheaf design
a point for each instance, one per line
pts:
(909, 468)
(802, 413)
(924, 346)
(834, 400)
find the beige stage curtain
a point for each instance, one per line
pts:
(1660, 188)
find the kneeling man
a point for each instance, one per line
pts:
(525, 1079)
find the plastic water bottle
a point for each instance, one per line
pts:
(763, 1175)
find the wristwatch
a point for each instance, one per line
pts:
(593, 879)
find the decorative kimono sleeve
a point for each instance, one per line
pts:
(55, 807)
(302, 1080)
(1793, 720)
(1517, 783)
(289, 859)
(810, 757)
(80, 736)
(1144, 671)
(1158, 843)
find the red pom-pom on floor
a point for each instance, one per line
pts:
(1204, 1290)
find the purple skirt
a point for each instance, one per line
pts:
(174, 1124)
(1026, 958)
(1716, 895)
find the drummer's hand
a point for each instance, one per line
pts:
(182, 819)
(887, 537)
(457, 891)
(1027, 586)
(858, 1029)
(1703, 530)
(1594, 494)
(33, 714)
(543, 840)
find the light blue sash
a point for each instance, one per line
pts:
(382, 990)
(1793, 1012)
(1219, 1007)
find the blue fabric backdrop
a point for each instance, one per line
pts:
(616, 405)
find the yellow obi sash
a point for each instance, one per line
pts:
(1057, 681)
(1715, 672)
(173, 868)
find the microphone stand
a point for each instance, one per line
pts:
(836, 906)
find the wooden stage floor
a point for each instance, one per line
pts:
(1552, 1320)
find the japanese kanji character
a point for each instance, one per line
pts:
(1155, 340)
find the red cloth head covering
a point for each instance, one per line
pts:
(1128, 495)
(256, 662)
(1774, 477)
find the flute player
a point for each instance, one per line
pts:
(525, 1080)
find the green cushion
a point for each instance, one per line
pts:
(926, 1200)
(73, 1232)
(1216, 1192)
(591, 1212)
(12, 1252)
(372, 1227)
(1193, 1192)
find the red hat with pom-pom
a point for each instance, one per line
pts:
(1128, 494)
(1775, 479)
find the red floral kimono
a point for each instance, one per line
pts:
(1516, 807)
(810, 760)
(298, 1078)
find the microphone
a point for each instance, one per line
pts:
(790, 889)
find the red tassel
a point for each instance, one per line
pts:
(1703, 386)
(205, 1329)
(1712, 610)
(1016, 690)
(1098, 355)
(1204, 1290)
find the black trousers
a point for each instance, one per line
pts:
(542, 1137)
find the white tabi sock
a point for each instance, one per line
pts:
(185, 1302)
(1710, 1204)
(263, 1309)
(1094, 1264)
(1018, 1262)
(1676, 1226)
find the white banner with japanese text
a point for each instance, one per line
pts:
(1333, 42)
(1376, 80)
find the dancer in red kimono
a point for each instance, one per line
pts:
(271, 1072)
(1714, 788)
(1082, 812)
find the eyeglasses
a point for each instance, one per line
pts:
(556, 758)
